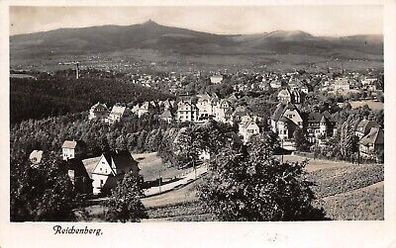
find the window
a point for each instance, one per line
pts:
(101, 182)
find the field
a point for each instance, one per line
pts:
(346, 191)
(372, 104)
(151, 167)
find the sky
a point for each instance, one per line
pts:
(315, 19)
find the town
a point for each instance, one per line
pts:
(148, 122)
(298, 126)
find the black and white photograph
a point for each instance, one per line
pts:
(205, 113)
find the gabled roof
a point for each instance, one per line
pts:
(90, 164)
(314, 117)
(278, 112)
(166, 114)
(123, 161)
(99, 107)
(71, 144)
(375, 136)
(36, 156)
(118, 110)
(364, 125)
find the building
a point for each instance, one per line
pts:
(69, 149)
(205, 107)
(117, 114)
(79, 176)
(216, 79)
(371, 146)
(222, 111)
(35, 157)
(187, 111)
(341, 84)
(319, 126)
(98, 111)
(167, 116)
(247, 128)
(284, 96)
(285, 119)
(104, 171)
(364, 127)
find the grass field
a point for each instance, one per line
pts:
(151, 167)
(372, 104)
(346, 191)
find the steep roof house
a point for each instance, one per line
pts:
(116, 114)
(108, 168)
(187, 111)
(364, 127)
(35, 157)
(247, 129)
(98, 111)
(372, 144)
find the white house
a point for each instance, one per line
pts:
(116, 114)
(98, 111)
(187, 111)
(247, 129)
(109, 167)
(68, 149)
(216, 79)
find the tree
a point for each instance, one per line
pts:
(44, 193)
(252, 185)
(300, 140)
(124, 203)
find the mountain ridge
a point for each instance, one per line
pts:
(151, 35)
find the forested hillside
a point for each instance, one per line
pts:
(56, 95)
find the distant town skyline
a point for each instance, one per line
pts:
(320, 20)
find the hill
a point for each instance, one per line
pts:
(170, 41)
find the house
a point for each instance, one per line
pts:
(98, 111)
(284, 96)
(319, 126)
(247, 128)
(222, 111)
(371, 146)
(285, 119)
(106, 170)
(364, 127)
(276, 84)
(116, 114)
(204, 105)
(167, 116)
(216, 79)
(341, 84)
(69, 149)
(146, 107)
(187, 111)
(35, 157)
(78, 175)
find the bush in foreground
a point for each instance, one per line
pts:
(251, 185)
(124, 203)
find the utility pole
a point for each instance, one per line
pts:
(282, 149)
(159, 180)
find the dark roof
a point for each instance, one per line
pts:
(123, 161)
(314, 117)
(375, 136)
(278, 112)
(78, 166)
(365, 125)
